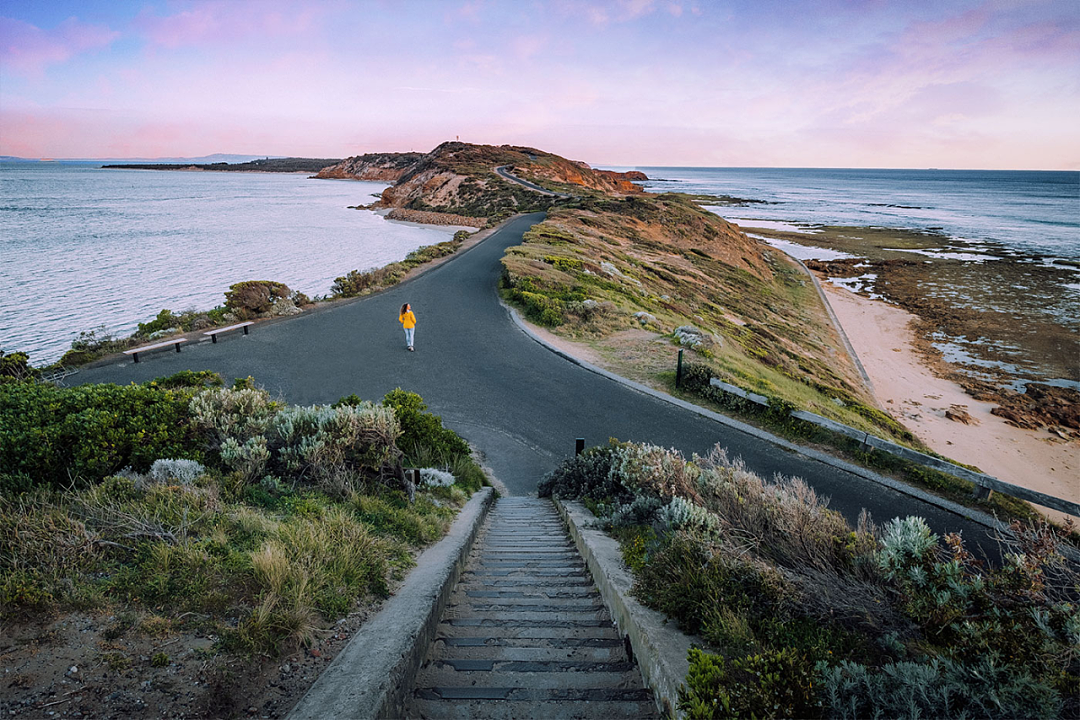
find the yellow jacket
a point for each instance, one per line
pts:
(408, 320)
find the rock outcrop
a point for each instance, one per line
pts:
(374, 167)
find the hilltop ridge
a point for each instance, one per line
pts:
(459, 178)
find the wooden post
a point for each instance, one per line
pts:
(678, 371)
(579, 446)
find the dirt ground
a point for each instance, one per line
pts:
(93, 665)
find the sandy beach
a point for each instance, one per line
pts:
(905, 386)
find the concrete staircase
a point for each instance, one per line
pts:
(525, 634)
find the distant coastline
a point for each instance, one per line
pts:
(274, 165)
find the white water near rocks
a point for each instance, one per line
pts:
(81, 246)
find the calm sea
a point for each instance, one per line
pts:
(1030, 213)
(82, 247)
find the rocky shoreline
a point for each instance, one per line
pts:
(427, 217)
(972, 327)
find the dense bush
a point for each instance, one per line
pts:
(775, 684)
(254, 297)
(15, 367)
(937, 688)
(815, 618)
(357, 282)
(62, 436)
(421, 431)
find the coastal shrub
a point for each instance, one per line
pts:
(237, 414)
(356, 282)
(422, 432)
(937, 688)
(586, 477)
(433, 477)
(15, 367)
(814, 617)
(772, 684)
(329, 444)
(60, 436)
(93, 344)
(165, 320)
(184, 472)
(189, 379)
(254, 297)
(784, 518)
(427, 253)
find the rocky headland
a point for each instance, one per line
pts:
(460, 179)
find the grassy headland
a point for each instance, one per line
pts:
(600, 266)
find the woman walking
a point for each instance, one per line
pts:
(408, 321)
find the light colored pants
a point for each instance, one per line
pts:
(409, 336)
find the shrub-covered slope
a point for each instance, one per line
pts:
(206, 520)
(807, 617)
(599, 265)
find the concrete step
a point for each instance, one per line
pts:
(549, 677)
(577, 709)
(529, 653)
(525, 633)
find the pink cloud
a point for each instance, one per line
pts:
(28, 50)
(606, 12)
(226, 22)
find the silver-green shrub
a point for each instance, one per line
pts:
(652, 470)
(433, 477)
(322, 439)
(938, 688)
(249, 458)
(641, 510)
(182, 471)
(682, 514)
(239, 414)
(907, 547)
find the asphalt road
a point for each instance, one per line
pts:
(517, 401)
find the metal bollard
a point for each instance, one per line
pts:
(579, 446)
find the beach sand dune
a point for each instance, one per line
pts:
(906, 387)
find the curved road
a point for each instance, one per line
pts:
(520, 403)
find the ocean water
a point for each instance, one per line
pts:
(81, 246)
(1004, 212)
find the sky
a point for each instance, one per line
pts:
(746, 83)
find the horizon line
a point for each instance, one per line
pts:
(201, 159)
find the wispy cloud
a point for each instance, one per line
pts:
(29, 50)
(214, 22)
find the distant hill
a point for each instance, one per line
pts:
(292, 164)
(215, 158)
(460, 178)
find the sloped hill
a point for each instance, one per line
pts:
(460, 178)
(375, 167)
(649, 269)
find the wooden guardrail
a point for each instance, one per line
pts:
(984, 483)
